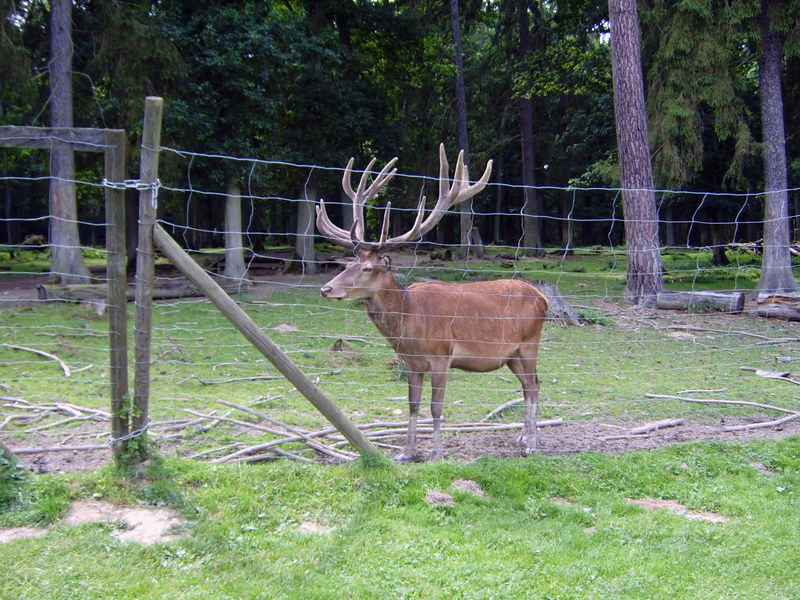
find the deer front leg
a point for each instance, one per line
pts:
(439, 385)
(415, 380)
(525, 370)
(530, 433)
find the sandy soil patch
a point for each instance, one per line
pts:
(678, 509)
(143, 525)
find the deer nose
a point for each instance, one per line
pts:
(325, 291)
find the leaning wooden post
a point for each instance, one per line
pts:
(117, 287)
(145, 269)
(260, 340)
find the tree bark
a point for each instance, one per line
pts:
(532, 203)
(65, 249)
(776, 268)
(234, 251)
(465, 208)
(636, 172)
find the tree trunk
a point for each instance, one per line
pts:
(636, 172)
(718, 243)
(499, 203)
(65, 249)
(234, 250)
(532, 204)
(304, 242)
(465, 208)
(776, 268)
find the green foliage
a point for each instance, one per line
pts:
(12, 477)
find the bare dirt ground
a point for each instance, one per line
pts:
(569, 438)
(143, 525)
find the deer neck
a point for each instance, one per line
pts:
(385, 308)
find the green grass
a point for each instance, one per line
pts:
(548, 528)
(601, 371)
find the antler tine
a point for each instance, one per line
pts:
(412, 235)
(385, 226)
(363, 193)
(326, 227)
(453, 193)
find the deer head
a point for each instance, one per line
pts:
(369, 271)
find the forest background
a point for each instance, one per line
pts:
(315, 82)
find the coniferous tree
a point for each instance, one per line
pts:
(636, 175)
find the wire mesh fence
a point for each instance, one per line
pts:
(213, 395)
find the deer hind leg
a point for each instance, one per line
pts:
(439, 386)
(525, 370)
(415, 381)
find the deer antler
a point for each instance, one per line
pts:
(451, 192)
(359, 197)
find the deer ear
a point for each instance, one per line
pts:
(386, 261)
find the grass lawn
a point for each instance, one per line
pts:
(548, 528)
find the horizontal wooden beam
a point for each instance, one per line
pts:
(79, 138)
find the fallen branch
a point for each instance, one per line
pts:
(775, 423)
(783, 376)
(233, 380)
(502, 407)
(657, 425)
(793, 414)
(58, 449)
(644, 431)
(61, 363)
(302, 434)
(714, 401)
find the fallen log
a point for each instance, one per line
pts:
(785, 305)
(728, 302)
(97, 293)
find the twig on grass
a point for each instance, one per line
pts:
(644, 431)
(501, 408)
(715, 401)
(783, 376)
(647, 428)
(47, 355)
(793, 414)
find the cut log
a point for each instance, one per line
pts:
(729, 302)
(785, 305)
(96, 293)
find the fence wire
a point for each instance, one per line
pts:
(605, 371)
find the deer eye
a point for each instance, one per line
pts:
(366, 269)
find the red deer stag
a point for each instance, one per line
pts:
(437, 326)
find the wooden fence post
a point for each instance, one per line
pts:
(261, 341)
(145, 269)
(117, 287)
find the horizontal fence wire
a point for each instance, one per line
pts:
(602, 372)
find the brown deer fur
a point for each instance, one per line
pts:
(436, 326)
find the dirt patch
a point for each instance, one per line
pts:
(574, 438)
(314, 527)
(468, 486)
(435, 498)
(678, 509)
(18, 533)
(569, 438)
(143, 525)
